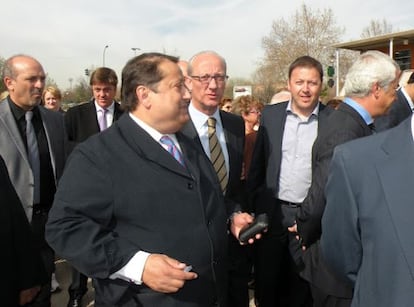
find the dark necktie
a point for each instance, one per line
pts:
(372, 127)
(216, 154)
(102, 119)
(172, 149)
(33, 154)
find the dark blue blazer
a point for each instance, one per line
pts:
(368, 220)
(121, 192)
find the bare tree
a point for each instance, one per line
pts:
(376, 27)
(2, 85)
(307, 32)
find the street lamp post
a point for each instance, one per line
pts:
(103, 56)
(135, 49)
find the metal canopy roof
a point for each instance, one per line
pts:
(382, 41)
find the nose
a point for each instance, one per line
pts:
(186, 92)
(40, 83)
(212, 83)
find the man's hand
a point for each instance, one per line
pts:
(164, 274)
(27, 295)
(294, 229)
(240, 220)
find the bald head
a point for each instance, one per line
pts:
(24, 78)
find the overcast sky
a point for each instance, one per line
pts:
(69, 36)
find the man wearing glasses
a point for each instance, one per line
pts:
(207, 73)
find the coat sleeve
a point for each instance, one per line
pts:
(312, 208)
(340, 242)
(80, 224)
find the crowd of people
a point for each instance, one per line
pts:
(147, 196)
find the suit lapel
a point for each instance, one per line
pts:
(52, 136)
(229, 129)
(275, 127)
(190, 131)
(117, 111)
(9, 124)
(399, 146)
(92, 119)
(147, 147)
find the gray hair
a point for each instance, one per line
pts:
(371, 67)
(8, 66)
(190, 62)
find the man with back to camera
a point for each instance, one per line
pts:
(370, 90)
(139, 208)
(370, 189)
(33, 146)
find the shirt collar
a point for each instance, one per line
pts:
(315, 111)
(200, 119)
(360, 109)
(18, 112)
(151, 131)
(110, 108)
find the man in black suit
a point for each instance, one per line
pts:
(33, 146)
(85, 120)
(207, 73)
(370, 89)
(139, 207)
(279, 177)
(401, 108)
(23, 271)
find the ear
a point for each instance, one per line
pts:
(8, 82)
(143, 95)
(376, 89)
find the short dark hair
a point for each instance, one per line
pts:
(103, 75)
(306, 61)
(142, 70)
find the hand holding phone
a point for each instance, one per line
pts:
(260, 223)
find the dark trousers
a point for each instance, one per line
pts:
(79, 285)
(322, 299)
(48, 256)
(240, 264)
(277, 279)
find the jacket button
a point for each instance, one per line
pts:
(190, 186)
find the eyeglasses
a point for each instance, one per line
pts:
(206, 79)
(254, 112)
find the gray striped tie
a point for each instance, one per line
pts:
(33, 154)
(216, 154)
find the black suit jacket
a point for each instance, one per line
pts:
(343, 125)
(121, 193)
(233, 127)
(400, 110)
(263, 178)
(22, 265)
(81, 121)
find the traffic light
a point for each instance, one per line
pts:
(331, 82)
(331, 71)
(86, 72)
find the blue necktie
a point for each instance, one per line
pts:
(172, 149)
